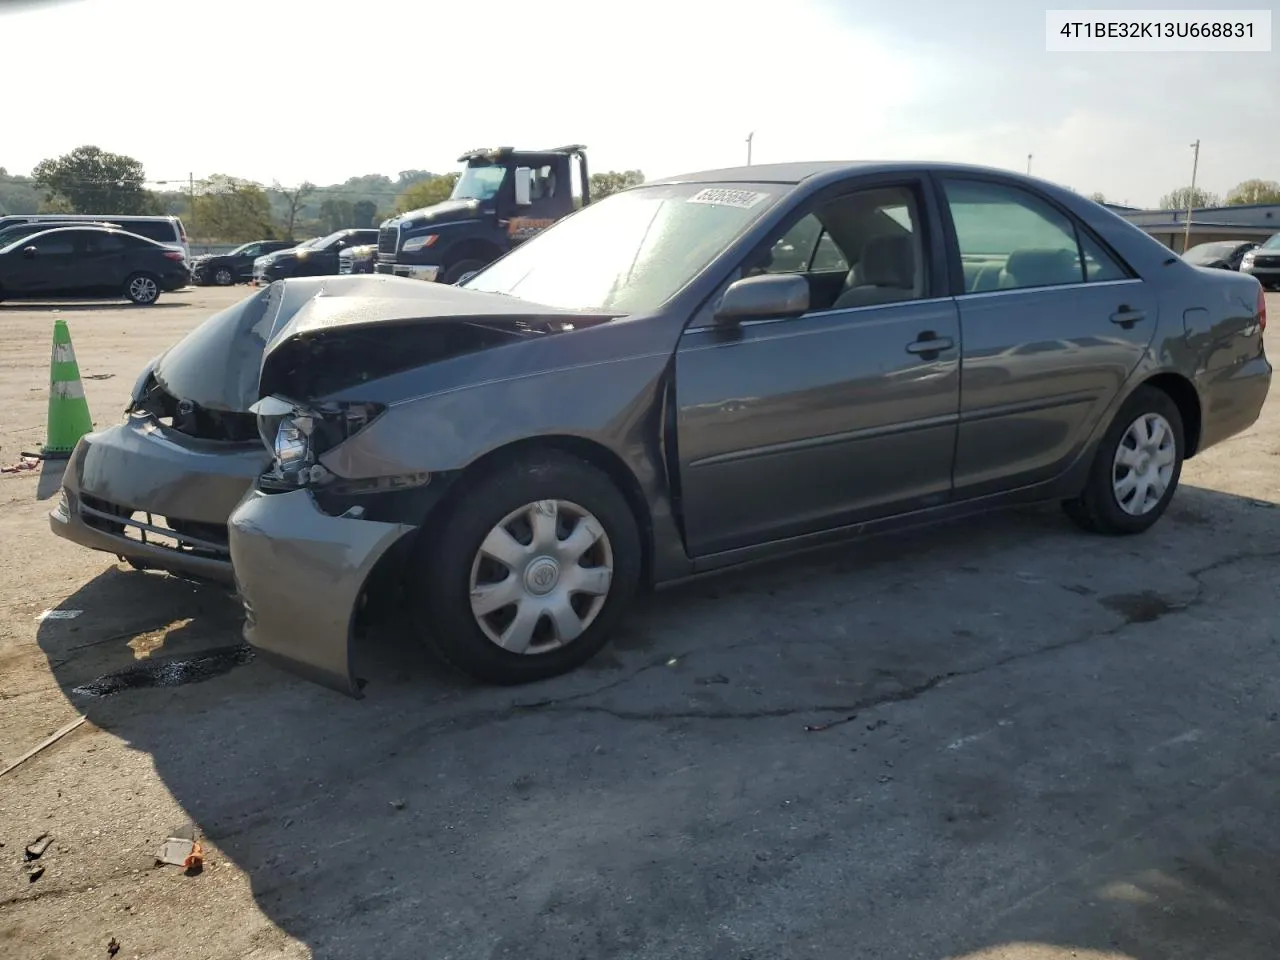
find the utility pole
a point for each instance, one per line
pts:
(750, 137)
(1191, 195)
(191, 197)
(1028, 164)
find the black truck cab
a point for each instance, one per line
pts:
(503, 197)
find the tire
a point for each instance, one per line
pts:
(1102, 507)
(460, 269)
(223, 277)
(448, 560)
(142, 289)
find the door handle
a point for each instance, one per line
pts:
(930, 342)
(1127, 317)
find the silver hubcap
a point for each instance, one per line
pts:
(143, 289)
(223, 277)
(541, 576)
(1143, 466)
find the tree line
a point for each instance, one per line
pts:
(233, 209)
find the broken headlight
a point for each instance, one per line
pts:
(297, 436)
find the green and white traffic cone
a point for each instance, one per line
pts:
(69, 418)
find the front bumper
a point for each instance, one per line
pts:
(411, 270)
(301, 574)
(145, 492)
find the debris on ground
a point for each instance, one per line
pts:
(27, 462)
(38, 846)
(48, 741)
(34, 872)
(168, 673)
(397, 804)
(182, 849)
(819, 727)
(113, 947)
(58, 615)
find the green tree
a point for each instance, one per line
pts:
(293, 201)
(363, 213)
(91, 180)
(233, 210)
(1254, 191)
(613, 181)
(1185, 197)
(18, 194)
(1098, 197)
(426, 193)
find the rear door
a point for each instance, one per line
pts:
(792, 426)
(102, 262)
(1053, 323)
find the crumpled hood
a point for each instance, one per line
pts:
(216, 365)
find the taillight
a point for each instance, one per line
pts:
(1262, 309)
(174, 255)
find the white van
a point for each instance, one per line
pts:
(166, 230)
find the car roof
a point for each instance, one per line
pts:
(796, 173)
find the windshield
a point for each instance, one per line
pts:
(1273, 243)
(630, 252)
(478, 183)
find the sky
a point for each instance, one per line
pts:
(320, 90)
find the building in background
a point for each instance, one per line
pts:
(1208, 224)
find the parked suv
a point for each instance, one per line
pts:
(166, 230)
(1264, 263)
(224, 269)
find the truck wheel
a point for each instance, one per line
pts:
(528, 572)
(1136, 468)
(460, 270)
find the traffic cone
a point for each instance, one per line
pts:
(69, 418)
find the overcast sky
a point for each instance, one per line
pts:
(322, 90)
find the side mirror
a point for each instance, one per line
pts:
(766, 297)
(29, 252)
(524, 186)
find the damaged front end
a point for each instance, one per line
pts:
(324, 526)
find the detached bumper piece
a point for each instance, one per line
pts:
(301, 574)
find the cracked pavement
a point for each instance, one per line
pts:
(1000, 739)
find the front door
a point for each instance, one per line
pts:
(51, 271)
(242, 265)
(1053, 322)
(847, 413)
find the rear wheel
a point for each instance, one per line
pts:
(142, 289)
(460, 270)
(1136, 469)
(223, 277)
(528, 572)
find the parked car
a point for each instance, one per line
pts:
(235, 266)
(90, 262)
(635, 396)
(316, 258)
(358, 259)
(1221, 254)
(164, 230)
(1264, 263)
(156, 489)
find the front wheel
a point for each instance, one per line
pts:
(528, 572)
(223, 277)
(142, 289)
(460, 270)
(1136, 468)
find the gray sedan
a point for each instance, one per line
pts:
(713, 369)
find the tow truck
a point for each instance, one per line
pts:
(503, 197)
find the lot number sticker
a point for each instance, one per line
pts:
(728, 198)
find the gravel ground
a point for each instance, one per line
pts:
(999, 738)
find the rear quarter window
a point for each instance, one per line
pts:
(162, 231)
